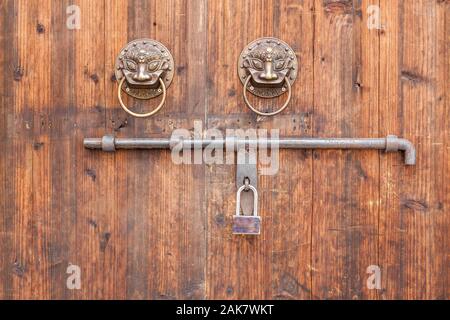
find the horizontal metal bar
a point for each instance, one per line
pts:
(389, 144)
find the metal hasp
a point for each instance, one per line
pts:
(389, 144)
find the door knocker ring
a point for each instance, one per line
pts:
(267, 68)
(247, 102)
(141, 115)
(144, 70)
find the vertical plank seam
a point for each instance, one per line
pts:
(205, 195)
(379, 153)
(104, 65)
(401, 20)
(446, 152)
(114, 267)
(311, 269)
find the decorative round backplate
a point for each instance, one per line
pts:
(142, 62)
(269, 62)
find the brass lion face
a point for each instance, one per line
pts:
(143, 62)
(268, 61)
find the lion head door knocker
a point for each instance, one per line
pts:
(144, 70)
(267, 68)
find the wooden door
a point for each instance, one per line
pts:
(140, 227)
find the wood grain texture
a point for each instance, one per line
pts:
(414, 91)
(345, 183)
(7, 174)
(275, 265)
(141, 227)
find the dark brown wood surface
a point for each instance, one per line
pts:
(141, 227)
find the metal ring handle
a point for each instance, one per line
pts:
(141, 115)
(267, 113)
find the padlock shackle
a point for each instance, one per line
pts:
(255, 200)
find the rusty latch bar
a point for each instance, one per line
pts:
(389, 144)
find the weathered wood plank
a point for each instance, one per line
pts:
(443, 80)
(288, 194)
(345, 183)
(91, 176)
(31, 102)
(116, 165)
(62, 114)
(7, 175)
(166, 245)
(274, 264)
(414, 88)
(235, 263)
(37, 98)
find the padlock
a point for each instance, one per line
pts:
(247, 225)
